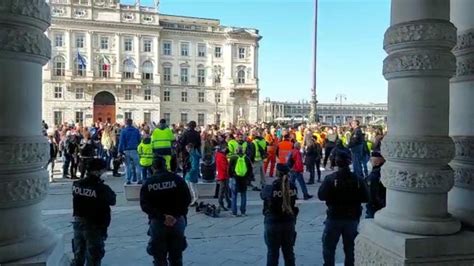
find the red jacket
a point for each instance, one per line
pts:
(222, 166)
(298, 165)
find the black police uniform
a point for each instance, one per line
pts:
(91, 203)
(377, 193)
(166, 193)
(343, 192)
(279, 226)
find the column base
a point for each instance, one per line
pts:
(378, 246)
(54, 256)
(432, 226)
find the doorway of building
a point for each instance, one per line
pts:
(104, 107)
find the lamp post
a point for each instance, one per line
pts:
(340, 97)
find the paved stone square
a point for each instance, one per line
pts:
(225, 240)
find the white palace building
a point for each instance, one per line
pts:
(112, 61)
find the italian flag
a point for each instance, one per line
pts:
(106, 65)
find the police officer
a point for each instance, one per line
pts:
(343, 192)
(91, 203)
(280, 217)
(165, 198)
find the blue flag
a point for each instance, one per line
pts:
(82, 61)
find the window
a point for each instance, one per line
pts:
(128, 69)
(201, 50)
(58, 40)
(218, 97)
(127, 115)
(79, 41)
(201, 119)
(241, 76)
(184, 49)
(147, 70)
(167, 117)
(80, 66)
(104, 68)
(184, 96)
(128, 94)
(147, 117)
(58, 118)
(59, 66)
(201, 96)
(147, 46)
(201, 76)
(166, 48)
(104, 43)
(241, 53)
(184, 75)
(166, 95)
(218, 52)
(147, 95)
(184, 118)
(79, 93)
(58, 92)
(218, 119)
(166, 75)
(128, 47)
(79, 117)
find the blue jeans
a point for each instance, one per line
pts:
(66, 162)
(365, 161)
(107, 156)
(299, 177)
(243, 198)
(280, 235)
(357, 160)
(333, 230)
(146, 172)
(132, 164)
(167, 243)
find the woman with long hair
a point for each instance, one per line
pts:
(280, 217)
(108, 142)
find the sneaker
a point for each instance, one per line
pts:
(139, 182)
(128, 183)
(307, 197)
(235, 214)
(244, 215)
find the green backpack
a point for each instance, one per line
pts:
(241, 166)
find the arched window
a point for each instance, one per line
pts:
(104, 68)
(128, 69)
(59, 66)
(241, 76)
(201, 74)
(147, 70)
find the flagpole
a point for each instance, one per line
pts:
(314, 117)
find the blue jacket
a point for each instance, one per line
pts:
(129, 139)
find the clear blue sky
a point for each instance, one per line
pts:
(350, 37)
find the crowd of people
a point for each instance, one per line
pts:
(266, 158)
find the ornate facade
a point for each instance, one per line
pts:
(329, 113)
(111, 61)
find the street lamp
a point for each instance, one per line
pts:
(314, 117)
(341, 97)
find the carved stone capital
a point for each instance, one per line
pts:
(465, 42)
(419, 180)
(409, 148)
(23, 153)
(31, 45)
(463, 176)
(419, 33)
(32, 9)
(419, 63)
(464, 148)
(23, 189)
(465, 66)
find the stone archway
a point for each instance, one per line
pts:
(104, 107)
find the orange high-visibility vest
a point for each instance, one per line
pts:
(284, 148)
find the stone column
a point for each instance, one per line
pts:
(461, 126)
(24, 49)
(89, 47)
(415, 227)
